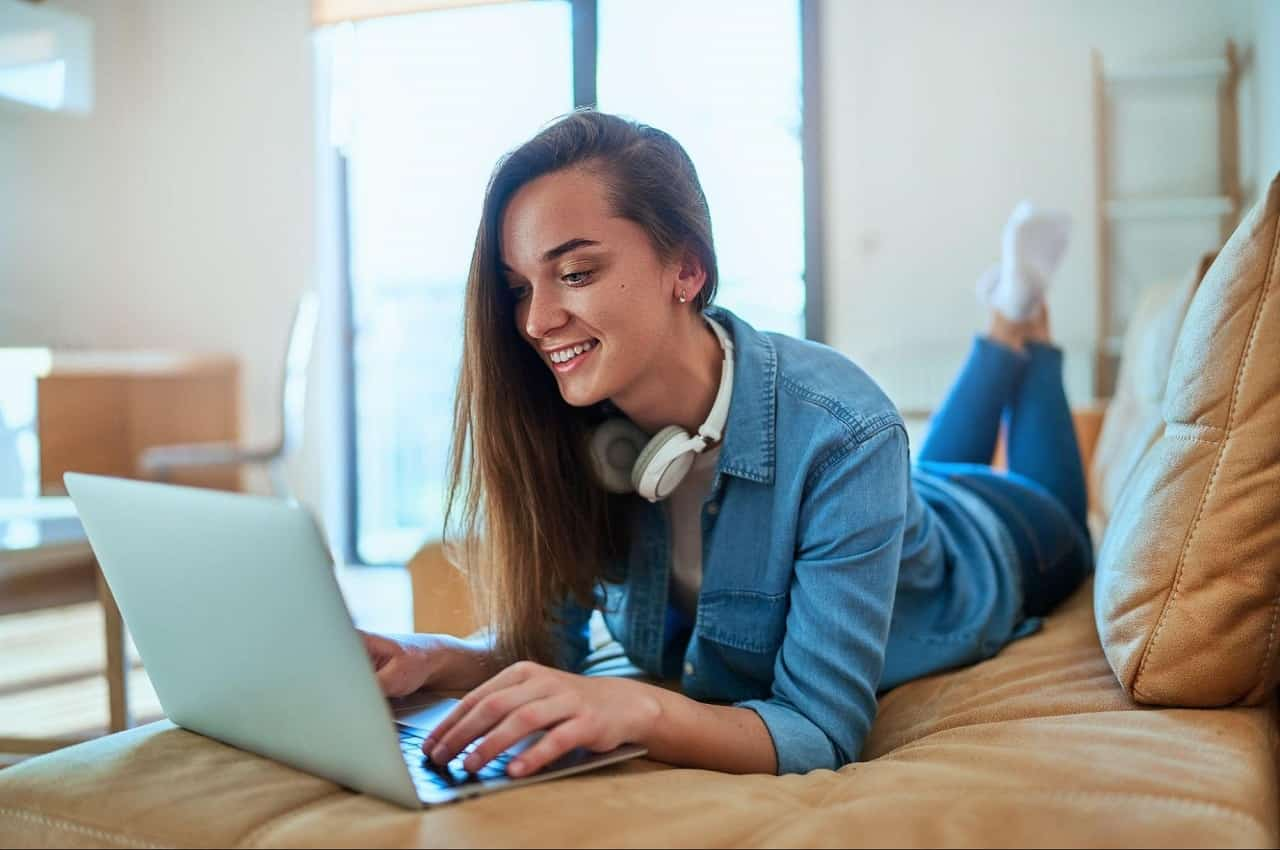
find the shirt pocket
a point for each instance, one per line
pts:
(744, 620)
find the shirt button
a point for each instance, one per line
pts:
(713, 508)
(688, 668)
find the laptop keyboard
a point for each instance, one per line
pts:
(426, 772)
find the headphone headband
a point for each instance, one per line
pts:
(713, 428)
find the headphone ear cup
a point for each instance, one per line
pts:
(615, 446)
(662, 464)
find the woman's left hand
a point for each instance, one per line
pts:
(599, 713)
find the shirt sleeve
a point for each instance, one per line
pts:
(842, 591)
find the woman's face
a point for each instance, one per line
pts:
(585, 280)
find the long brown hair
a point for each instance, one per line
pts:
(525, 516)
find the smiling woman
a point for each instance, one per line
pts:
(589, 233)
(592, 265)
(792, 565)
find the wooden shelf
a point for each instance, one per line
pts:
(1164, 208)
(1219, 75)
(1163, 72)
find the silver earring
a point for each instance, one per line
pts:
(682, 298)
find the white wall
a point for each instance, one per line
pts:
(940, 115)
(180, 213)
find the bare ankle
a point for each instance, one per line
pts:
(1006, 332)
(1037, 327)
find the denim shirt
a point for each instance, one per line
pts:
(831, 570)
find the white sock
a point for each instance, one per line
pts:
(986, 284)
(1033, 244)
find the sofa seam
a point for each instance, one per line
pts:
(1221, 809)
(1189, 439)
(68, 825)
(1179, 572)
(1214, 430)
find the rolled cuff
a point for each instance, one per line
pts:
(799, 745)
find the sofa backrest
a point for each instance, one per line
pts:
(1133, 419)
(1188, 578)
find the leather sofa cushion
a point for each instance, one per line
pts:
(1134, 419)
(1188, 575)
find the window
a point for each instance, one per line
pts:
(436, 99)
(734, 104)
(431, 101)
(46, 58)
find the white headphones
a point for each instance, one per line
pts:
(628, 460)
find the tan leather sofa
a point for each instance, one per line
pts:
(1042, 745)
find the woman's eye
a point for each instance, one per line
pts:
(518, 292)
(576, 278)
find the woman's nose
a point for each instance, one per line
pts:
(544, 312)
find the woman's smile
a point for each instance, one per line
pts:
(575, 361)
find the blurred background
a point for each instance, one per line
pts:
(234, 235)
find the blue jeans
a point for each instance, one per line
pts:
(1041, 499)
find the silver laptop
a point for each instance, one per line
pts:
(233, 604)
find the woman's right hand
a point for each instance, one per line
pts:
(405, 663)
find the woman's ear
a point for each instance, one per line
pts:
(691, 275)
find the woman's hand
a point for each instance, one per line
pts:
(405, 663)
(599, 713)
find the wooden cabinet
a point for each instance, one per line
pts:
(96, 412)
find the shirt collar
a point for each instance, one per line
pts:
(748, 446)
